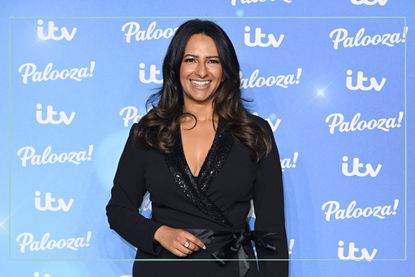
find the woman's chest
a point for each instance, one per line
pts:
(226, 178)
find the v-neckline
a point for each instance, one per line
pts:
(195, 188)
(202, 168)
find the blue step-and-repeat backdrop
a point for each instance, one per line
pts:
(334, 79)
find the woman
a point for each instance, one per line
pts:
(203, 158)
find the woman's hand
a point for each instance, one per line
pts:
(174, 240)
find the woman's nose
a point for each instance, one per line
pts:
(201, 70)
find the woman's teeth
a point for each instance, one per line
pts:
(200, 83)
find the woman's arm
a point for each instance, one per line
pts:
(269, 211)
(126, 197)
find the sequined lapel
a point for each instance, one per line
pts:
(216, 158)
(194, 188)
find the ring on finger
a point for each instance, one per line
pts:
(186, 244)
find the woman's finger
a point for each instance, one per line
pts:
(180, 245)
(195, 241)
(191, 245)
(178, 253)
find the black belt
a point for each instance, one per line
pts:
(234, 243)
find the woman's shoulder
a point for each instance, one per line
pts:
(133, 129)
(134, 140)
(257, 119)
(262, 123)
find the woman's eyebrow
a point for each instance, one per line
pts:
(196, 56)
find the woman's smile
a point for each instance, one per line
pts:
(201, 84)
(201, 70)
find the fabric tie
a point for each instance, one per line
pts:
(234, 245)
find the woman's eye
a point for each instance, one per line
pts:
(189, 60)
(214, 61)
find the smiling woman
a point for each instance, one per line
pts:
(203, 158)
(201, 70)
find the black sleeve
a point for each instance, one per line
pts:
(269, 211)
(126, 197)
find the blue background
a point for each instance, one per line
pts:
(302, 108)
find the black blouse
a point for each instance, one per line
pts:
(217, 199)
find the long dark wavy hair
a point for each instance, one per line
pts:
(158, 127)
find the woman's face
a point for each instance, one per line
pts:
(201, 70)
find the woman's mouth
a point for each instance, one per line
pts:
(200, 83)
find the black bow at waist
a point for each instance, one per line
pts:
(234, 242)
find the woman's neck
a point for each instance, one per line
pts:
(200, 111)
